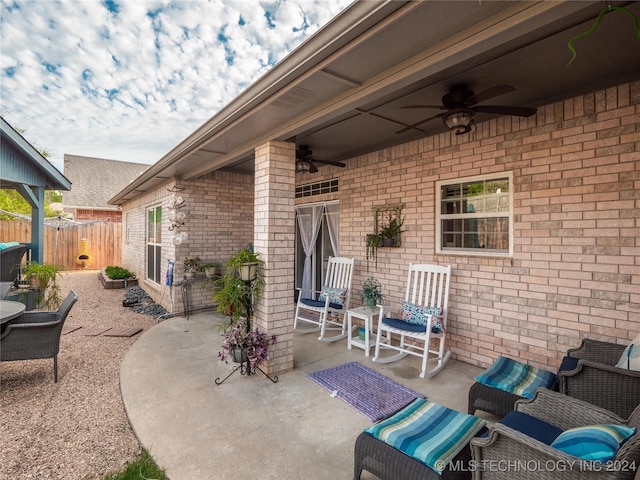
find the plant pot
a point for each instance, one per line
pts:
(240, 353)
(249, 271)
(189, 274)
(387, 242)
(210, 272)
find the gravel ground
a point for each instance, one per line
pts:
(76, 428)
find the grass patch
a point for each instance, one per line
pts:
(142, 468)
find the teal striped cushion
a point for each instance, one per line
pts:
(428, 432)
(594, 442)
(515, 377)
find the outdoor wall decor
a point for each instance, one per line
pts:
(387, 228)
(177, 216)
(387, 223)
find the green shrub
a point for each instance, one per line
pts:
(118, 273)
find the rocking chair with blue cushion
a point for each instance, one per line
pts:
(327, 308)
(423, 319)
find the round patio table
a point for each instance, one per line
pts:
(10, 310)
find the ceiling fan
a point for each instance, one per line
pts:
(305, 163)
(461, 107)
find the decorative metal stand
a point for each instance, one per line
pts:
(248, 276)
(245, 369)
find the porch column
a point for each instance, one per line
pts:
(274, 240)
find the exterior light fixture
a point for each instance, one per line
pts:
(303, 166)
(459, 119)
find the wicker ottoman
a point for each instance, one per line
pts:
(492, 400)
(389, 463)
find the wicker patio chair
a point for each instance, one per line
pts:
(504, 444)
(598, 381)
(36, 335)
(10, 259)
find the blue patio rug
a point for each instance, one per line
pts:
(367, 391)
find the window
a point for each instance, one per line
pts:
(319, 188)
(474, 215)
(154, 242)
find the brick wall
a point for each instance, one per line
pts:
(219, 221)
(575, 271)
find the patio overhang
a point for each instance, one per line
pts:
(341, 91)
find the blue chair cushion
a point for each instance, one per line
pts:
(319, 304)
(532, 427)
(594, 442)
(568, 364)
(5, 245)
(515, 377)
(397, 323)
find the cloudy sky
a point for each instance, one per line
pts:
(129, 79)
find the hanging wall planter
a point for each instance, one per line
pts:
(387, 224)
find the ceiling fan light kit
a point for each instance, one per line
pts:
(303, 166)
(459, 119)
(461, 107)
(305, 163)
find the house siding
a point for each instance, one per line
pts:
(575, 270)
(219, 221)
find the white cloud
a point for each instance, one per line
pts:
(83, 80)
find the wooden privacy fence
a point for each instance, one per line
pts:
(63, 246)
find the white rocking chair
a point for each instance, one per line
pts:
(423, 318)
(328, 310)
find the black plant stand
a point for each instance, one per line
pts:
(245, 365)
(245, 369)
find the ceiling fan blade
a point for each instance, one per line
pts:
(330, 162)
(313, 168)
(506, 110)
(409, 127)
(489, 93)
(439, 107)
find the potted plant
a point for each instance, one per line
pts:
(390, 234)
(235, 291)
(210, 269)
(44, 278)
(191, 266)
(238, 288)
(242, 346)
(371, 293)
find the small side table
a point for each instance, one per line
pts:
(367, 314)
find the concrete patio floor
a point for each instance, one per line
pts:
(249, 427)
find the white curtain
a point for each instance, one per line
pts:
(309, 221)
(333, 221)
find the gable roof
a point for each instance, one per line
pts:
(22, 164)
(342, 90)
(96, 180)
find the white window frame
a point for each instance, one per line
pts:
(155, 244)
(440, 216)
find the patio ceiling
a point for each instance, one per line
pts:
(341, 92)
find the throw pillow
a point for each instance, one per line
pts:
(418, 315)
(336, 295)
(630, 358)
(594, 442)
